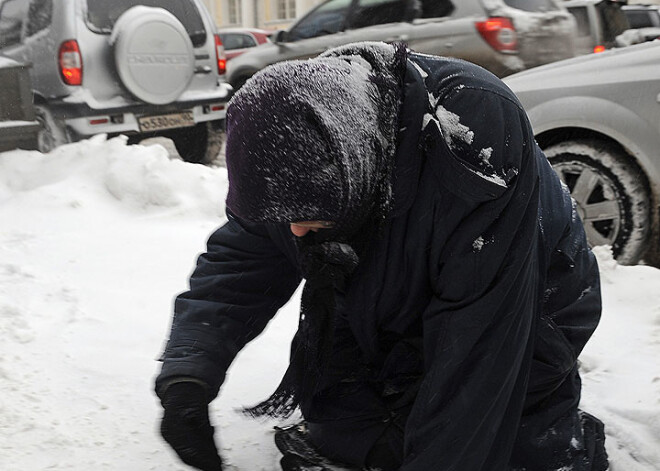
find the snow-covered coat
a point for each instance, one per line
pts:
(478, 295)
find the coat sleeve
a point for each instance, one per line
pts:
(236, 288)
(477, 327)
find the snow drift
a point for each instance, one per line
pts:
(96, 239)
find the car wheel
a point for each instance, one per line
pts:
(51, 133)
(200, 144)
(611, 196)
(216, 141)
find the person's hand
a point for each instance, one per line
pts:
(186, 427)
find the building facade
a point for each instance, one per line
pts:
(265, 14)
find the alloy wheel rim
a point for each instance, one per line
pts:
(596, 201)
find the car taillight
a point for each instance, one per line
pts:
(599, 48)
(220, 55)
(499, 33)
(70, 60)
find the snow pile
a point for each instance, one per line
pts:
(97, 237)
(620, 367)
(141, 177)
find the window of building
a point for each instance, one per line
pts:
(235, 16)
(286, 9)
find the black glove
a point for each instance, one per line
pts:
(186, 427)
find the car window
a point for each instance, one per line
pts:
(102, 15)
(232, 41)
(39, 16)
(12, 16)
(643, 18)
(436, 8)
(582, 19)
(532, 5)
(376, 12)
(328, 18)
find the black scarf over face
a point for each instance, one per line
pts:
(315, 141)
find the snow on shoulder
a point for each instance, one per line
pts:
(455, 133)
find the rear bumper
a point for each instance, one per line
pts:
(86, 120)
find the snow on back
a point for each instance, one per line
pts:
(451, 126)
(112, 173)
(453, 131)
(306, 128)
(485, 154)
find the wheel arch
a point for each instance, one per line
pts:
(561, 134)
(596, 118)
(557, 135)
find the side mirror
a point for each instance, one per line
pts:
(279, 36)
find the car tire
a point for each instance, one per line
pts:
(200, 144)
(52, 132)
(611, 194)
(215, 145)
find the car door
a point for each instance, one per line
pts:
(13, 14)
(23, 24)
(425, 26)
(44, 59)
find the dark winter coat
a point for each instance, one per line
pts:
(477, 297)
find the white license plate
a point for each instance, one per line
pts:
(166, 121)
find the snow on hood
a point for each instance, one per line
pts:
(315, 139)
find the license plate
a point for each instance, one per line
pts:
(166, 121)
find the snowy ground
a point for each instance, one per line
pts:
(96, 239)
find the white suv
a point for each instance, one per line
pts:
(137, 67)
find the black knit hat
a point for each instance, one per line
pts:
(314, 140)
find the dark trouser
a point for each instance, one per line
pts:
(553, 434)
(360, 428)
(385, 454)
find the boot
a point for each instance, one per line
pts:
(299, 452)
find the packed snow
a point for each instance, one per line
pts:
(96, 239)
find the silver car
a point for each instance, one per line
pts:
(138, 67)
(599, 23)
(598, 119)
(504, 36)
